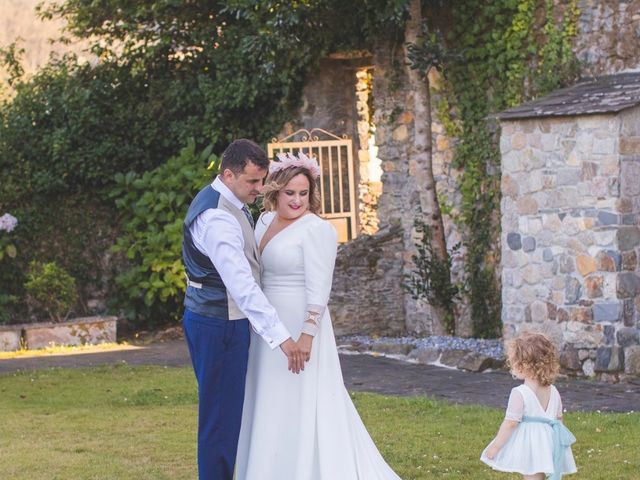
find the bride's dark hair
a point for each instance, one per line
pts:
(276, 181)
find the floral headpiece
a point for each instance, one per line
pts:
(288, 160)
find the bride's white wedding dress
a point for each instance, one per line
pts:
(302, 427)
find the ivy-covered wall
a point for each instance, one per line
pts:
(502, 55)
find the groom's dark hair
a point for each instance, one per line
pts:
(241, 151)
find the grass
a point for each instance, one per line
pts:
(123, 422)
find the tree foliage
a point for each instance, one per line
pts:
(164, 72)
(152, 207)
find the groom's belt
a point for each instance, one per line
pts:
(203, 282)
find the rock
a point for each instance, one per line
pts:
(566, 264)
(171, 333)
(475, 362)
(628, 238)
(609, 261)
(593, 286)
(629, 312)
(608, 218)
(527, 205)
(569, 358)
(609, 359)
(581, 314)
(609, 334)
(452, 358)
(79, 331)
(400, 134)
(528, 244)
(354, 347)
(572, 291)
(10, 338)
(632, 360)
(628, 285)
(628, 336)
(629, 261)
(606, 312)
(588, 368)
(392, 348)
(514, 241)
(586, 265)
(424, 355)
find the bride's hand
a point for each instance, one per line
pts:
(294, 355)
(304, 343)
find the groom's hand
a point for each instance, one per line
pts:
(294, 354)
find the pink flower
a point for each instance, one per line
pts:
(289, 160)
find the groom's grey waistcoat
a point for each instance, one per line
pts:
(213, 299)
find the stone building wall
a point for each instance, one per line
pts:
(570, 237)
(608, 36)
(328, 99)
(399, 203)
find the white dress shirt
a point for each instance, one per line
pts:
(218, 235)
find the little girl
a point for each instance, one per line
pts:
(532, 439)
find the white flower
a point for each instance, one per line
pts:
(8, 222)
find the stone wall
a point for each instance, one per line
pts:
(570, 237)
(399, 203)
(367, 295)
(329, 99)
(608, 35)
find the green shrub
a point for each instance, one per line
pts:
(6, 301)
(431, 277)
(153, 206)
(52, 289)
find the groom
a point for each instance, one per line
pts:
(223, 297)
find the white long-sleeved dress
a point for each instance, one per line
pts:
(302, 427)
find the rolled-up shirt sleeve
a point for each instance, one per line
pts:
(217, 234)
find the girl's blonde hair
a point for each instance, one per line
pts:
(535, 356)
(278, 180)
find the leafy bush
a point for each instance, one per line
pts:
(153, 206)
(52, 289)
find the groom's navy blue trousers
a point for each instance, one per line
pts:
(219, 351)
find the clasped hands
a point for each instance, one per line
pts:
(297, 352)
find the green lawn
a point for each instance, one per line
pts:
(139, 423)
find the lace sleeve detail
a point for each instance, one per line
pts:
(312, 323)
(515, 407)
(319, 251)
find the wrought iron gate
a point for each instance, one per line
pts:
(337, 180)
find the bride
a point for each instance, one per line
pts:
(300, 427)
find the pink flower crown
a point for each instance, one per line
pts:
(288, 160)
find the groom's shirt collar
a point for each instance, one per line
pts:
(226, 193)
